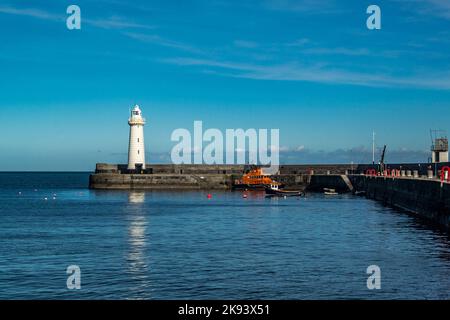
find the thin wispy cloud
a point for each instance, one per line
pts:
(366, 52)
(298, 43)
(245, 44)
(116, 22)
(304, 6)
(31, 12)
(356, 155)
(113, 22)
(339, 51)
(440, 7)
(161, 41)
(295, 72)
(437, 8)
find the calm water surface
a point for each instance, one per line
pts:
(181, 245)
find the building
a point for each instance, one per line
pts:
(439, 150)
(136, 148)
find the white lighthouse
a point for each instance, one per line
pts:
(136, 149)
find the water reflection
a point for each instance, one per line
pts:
(136, 197)
(136, 256)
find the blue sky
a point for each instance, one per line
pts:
(310, 68)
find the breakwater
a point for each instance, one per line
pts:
(427, 198)
(169, 176)
(225, 169)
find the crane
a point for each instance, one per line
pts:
(382, 160)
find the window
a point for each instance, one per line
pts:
(138, 151)
(138, 139)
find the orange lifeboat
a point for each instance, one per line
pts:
(255, 179)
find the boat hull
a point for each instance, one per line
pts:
(283, 193)
(245, 186)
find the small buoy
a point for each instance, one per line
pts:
(45, 199)
(54, 194)
(20, 193)
(54, 198)
(209, 196)
(244, 196)
(285, 197)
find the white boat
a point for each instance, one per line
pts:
(330, 192)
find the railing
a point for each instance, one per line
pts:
(136, 121)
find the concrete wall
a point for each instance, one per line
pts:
(173, 169)
(183, 181)
(160, 181)
(422, 168)
(184, 176)
(224, 169)
(168, 176)
(428, 198)
(284, 169)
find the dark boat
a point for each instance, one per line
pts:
(274, 191)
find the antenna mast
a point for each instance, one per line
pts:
(373, 147)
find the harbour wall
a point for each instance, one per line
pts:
(224, 169)
(427, 198)
(295, 169)
(160, 181)
(169, 176)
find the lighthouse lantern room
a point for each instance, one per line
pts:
(136, 149)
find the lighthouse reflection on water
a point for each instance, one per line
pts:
(136, 197)
(136, 256)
